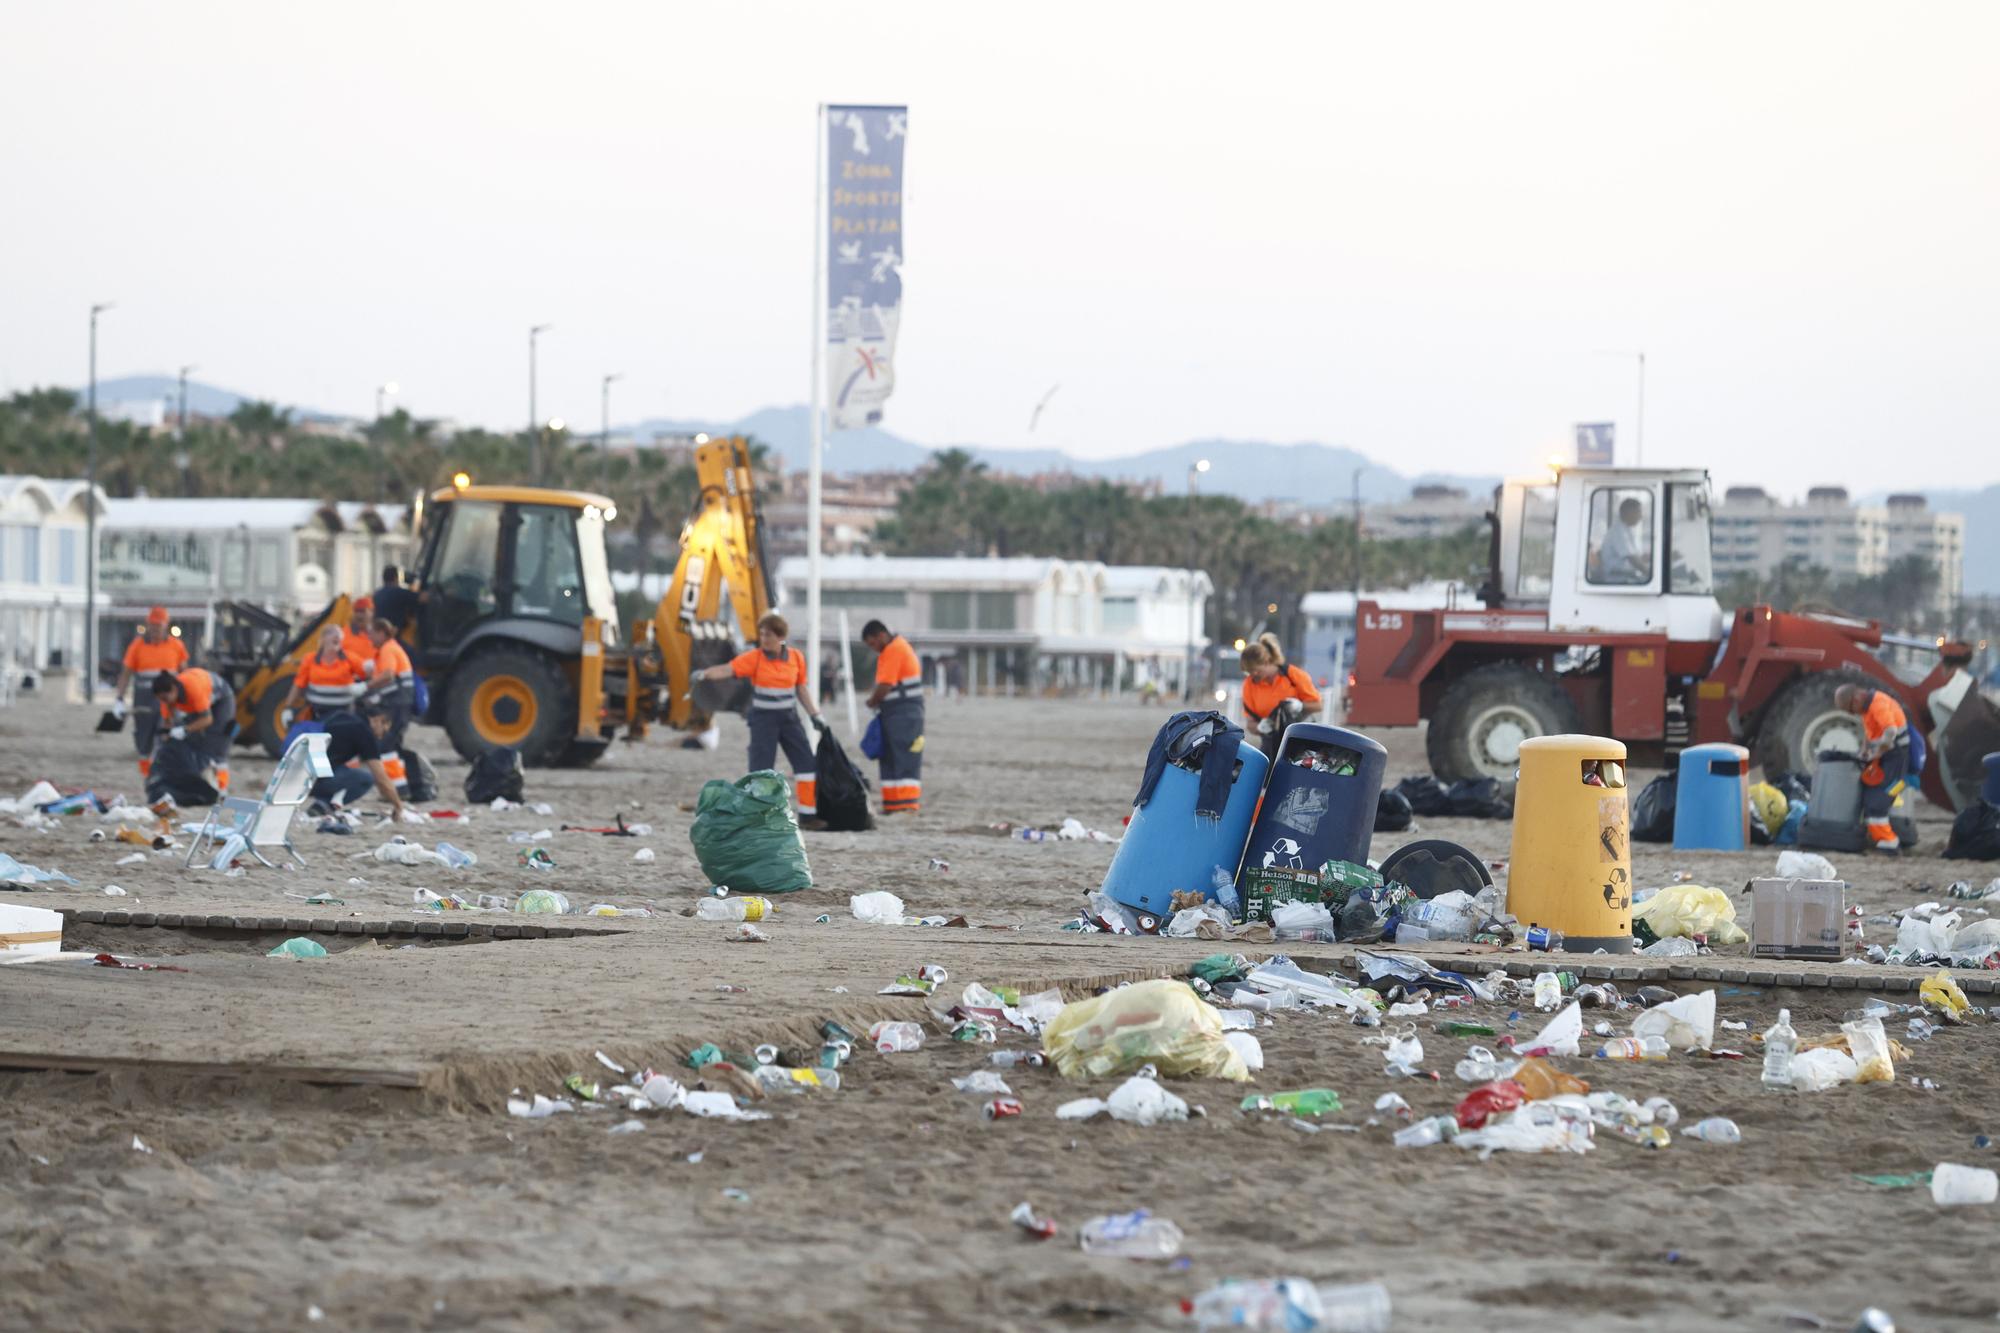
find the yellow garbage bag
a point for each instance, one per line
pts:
(1691, 909)
(1159, 1023)
(1941, 993)
(1769, 806)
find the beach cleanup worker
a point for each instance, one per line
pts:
(354, 640)
(393, 602)
(151, 654)
(354, 748)
(899, 695)
(777, 675)
(1885, 757)
(330, 679)
(391, 688)
(1275, 693)
(198, 706)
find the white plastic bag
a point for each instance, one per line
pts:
(879, 908)
(1805, 865)
(1557, 1124)
(1822, 1068)
(1688, 1023)
(1083, 1108)
(1977, 941)
(1560, 1036)
(1301, 916)
(1142, 1101)
(1247, 1046)
(1925, 936)
(1188, 920)
(1403, 1055)
(1869, 1045)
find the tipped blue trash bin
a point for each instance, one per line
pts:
(1319, 806)
(1712, 799)
(1167, 848)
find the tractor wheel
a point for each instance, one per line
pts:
(1802, 721)
(273, 718)
(1485, 715)
(511, 696)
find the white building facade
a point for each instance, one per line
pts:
(44, 541)
(1755, 533)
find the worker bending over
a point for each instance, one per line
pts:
(354, 748)
(330, 680)
(777, 676)
(1885, 755)
(391, 688)
(154, 653)
(198, 706)
(1275, 693)
(899, 694)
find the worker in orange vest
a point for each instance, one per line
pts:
(199, 707)
(1275, 693)
(1885, 755)
(777, 676)
(899, 694)
(391, 688)
(354, 640)
(330, 680)
(154, 652)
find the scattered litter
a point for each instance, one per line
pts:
(984, 1082)
(1805, 865)
(1690, 910)
(644, 856)
(1134, 1235)
(893, 1037)
(735, 1195)
(15, 872)
(539, 1109)
(627, 1127)
(1025, 1217)
(135, 859)
(113, 891)
(719, 1106)
(1160, 1022)
(298, 947)
(1953, 1184)
(542, 902)
(139, 1145)
(1822, 1068)
(112, 960)
(879, 908)
(749, 934)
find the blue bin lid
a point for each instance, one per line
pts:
(1318, 733)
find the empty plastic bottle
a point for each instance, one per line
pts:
(1134, 1235)
(890, 1037)
(457, 858)
(1280, 1305)
(1715, 1129)
(1008, 1059)
(1634, 1048)
(1426, 1132)
(733, 909)
(1548, 991)
(1663, 1111)
(1780, 1045)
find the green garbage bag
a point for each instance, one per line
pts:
(745, 835)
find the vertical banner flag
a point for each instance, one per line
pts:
(1594, 445)
(865, 254)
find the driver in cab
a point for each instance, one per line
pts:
(1625, 556)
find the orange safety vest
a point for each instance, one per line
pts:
(1261, 697)
(197, 693)
(147, 660)
(392, 661)
(330, 686)
(775, 680)
(1884, 719)
(358, 646)
(899, 669)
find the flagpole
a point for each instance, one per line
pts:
(817, 409)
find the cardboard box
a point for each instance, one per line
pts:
(1263, 890)
(1798, 918)
(28, 930)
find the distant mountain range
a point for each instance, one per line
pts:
(1320, 473)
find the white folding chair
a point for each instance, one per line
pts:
(267, 821)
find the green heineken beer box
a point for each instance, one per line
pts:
(1268, 886)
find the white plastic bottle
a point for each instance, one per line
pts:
(1548, 991)
(732, 909)
(1780, 1045)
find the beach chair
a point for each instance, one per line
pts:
(267, 821)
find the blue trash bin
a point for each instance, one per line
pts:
(1319, 806)
(1989, 788)
(1712, 799)
(1167, 848)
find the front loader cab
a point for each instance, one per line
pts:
(1611, 551)
(509, 576)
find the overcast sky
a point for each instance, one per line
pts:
(1412, 229)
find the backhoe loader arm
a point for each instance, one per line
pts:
(720, 546)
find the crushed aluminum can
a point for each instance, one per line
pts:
(1003, 1108)
(940, 865)
(1025, 1217)
(1538, 939)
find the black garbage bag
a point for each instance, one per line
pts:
(1479, 798)
(179, 772)
(423, 779)
(1392, 812)
(1653, 812)
(1975, 834)
(494, 774)
(1426, 795)
(1795, 785)
(842, 789)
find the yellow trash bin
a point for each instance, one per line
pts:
(1571, 865)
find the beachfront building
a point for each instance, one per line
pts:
(1755, 532)
(287, 557)
(1004, 625)
(44, 537)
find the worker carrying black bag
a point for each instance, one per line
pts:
(843, 790)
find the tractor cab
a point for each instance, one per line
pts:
(1609, 551)
(493, 555)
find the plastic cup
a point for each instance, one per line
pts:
(1954, 1184)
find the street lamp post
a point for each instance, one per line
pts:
(550, 432)
(181, 425)
(534, 417)
(90, 525)
(1195, 470)
(604, 430)
(383, 392)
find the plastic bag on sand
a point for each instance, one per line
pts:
(719, 1105)
(746, 836)
(1977, 941)
(1302, 916)
(1870, 1046)
(1932, 935)
(1162, 1023)
(1805, 865)
(1822, 1068)
(1142, 1101)
(1940, 992)
(298, 947)
(1691, 909)
(1688, 1023)
(1560, 1036)
(1188, 921)
(1247, 1046)
(879, 908)
(1560, 1124)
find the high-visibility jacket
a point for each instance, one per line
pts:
(359, 647)
(1261, 697)
(146, 661)
(198, 691)
(899, 669)
(775, 680)
(1885, 723)
(392, 661)
(330, 686)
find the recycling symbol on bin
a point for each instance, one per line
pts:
(1617, 889)
(1284, 855)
